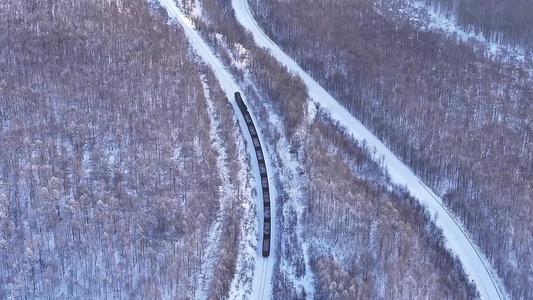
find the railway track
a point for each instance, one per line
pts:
(264, 265)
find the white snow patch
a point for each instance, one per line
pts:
(427, 17)
(197, 10)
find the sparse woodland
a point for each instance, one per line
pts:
(461, 120)
(108, 177)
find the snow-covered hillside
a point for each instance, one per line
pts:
(473, 261)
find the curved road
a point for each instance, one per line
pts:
(474, 262)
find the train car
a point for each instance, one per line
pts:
(256, 142)
(266, 229)
(264, 183)
(267, 213)
(252, 130)
(266, 246)
(240, 103)
(266, 198)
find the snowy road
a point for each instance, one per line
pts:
(241, 288)
(474, 262)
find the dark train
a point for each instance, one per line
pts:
(267, 230)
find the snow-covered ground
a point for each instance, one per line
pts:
(250, 248)
(474, 262)
(210, 254)
(428, 17)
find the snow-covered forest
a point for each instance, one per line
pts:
(109, 182)
(124, 172)
(459, 116)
